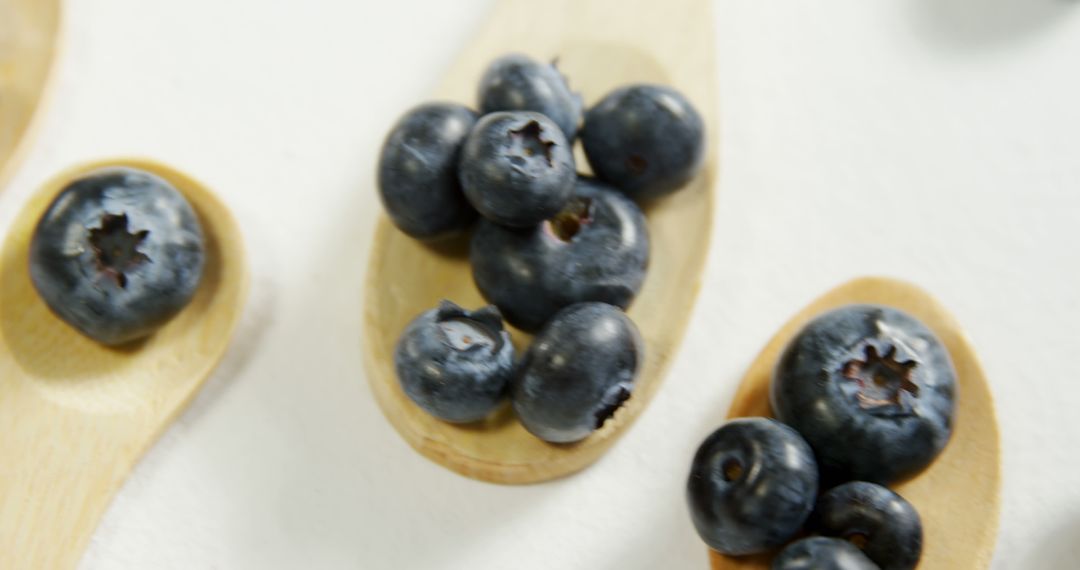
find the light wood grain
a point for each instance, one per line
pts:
(75, 416)
(958, 496)
(600, 45)
(29, 39)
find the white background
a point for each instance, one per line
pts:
(935, 140)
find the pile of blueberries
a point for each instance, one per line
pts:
(551, 250)
(865, 397)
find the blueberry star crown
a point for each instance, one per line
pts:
(881, 380)
(529, 141)
(115, 247)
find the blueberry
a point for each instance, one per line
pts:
(455, 364)
(517, 168)
(646, 139)
(417, 177)
(871, 389)
(117, 254)
(752, 484)
(880, 522)
(517, 83)
(578, 371)
(821, 553)
(595, 249)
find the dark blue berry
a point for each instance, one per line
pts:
(455, 364)
(880, 522)
(117, 254)
(822, 553)
(871, 389)
(752, 484)
(647, 140)
(517, 168)
(418, 181)
(595, 249)
(517, 83)
(578, 371)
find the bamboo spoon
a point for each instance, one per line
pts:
(76, 416)
(958, 496)
(600, 44)
(29, 34)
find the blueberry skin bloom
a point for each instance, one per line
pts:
(595, 249)
(117, 254)
(517, 168)
(647, 140)
(455, 364)
(752, 484)
(822, 553)
(516, 82)
(882, 523)
(578, 371)
(871, 389)
(417, 176)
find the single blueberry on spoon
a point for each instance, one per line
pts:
(516, 82)
(871, 389)
(117, 254)
(752, 484)
(578, 372)
(455, 364)
(595, 249)
(418, 181)
(881, 523)
(822, 553)
(517, 168)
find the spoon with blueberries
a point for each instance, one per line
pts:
(121, 282)
(864, 436)
(525, 294)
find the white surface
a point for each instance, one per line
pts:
(935, 140)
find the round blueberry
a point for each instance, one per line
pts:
(417, 177)
(516, 82)
(871, 389)
(878, 521)
(648, 140)
(578, 371)
(117, 254)
(822, 553)
(752, 484)
(517, 168)
(595, 249)
(455, 364)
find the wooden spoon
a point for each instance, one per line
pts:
(958, 496)
(29, 38)
(600, 45)
(75, 416)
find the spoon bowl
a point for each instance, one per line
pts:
(959, 495)
(75, 415)
(597, 51)
(29, 36)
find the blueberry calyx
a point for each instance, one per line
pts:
(613, 400)
(568, 222)
(116, 247)
(880, 381)
(528, 141)
(470, 330)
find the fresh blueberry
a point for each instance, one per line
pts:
(595, 249)
(455, 364)
(117, 254)
(822, 553)
(752, 484)
(578, 371)
(517, 83)
(418, 181)
(646, 139)
(880, 522)
(517, 168)
(871, 389)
